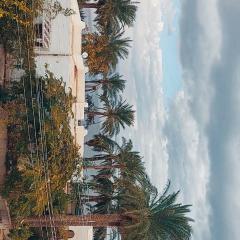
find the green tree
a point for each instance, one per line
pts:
(111, 85)
(139, 216)
(42, 150)
(104, 51)
(121, 157)
(169, 218)
(21, 233)
(101, 143)
(115, 114)
(15, 10)
(118, 13)
(117, 48)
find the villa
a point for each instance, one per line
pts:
(58, 44)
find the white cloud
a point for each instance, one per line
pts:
(210, 57)
(189, 162)
(200, 49)
(196, 141)
(144, 89)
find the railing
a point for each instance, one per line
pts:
(46, 29)
(43, 30)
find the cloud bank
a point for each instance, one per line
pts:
(210, 61)
(170, 140)
(195, 141)
(144, 89)
(189, 162)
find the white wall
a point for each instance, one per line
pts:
(82, 233)
(64, 59)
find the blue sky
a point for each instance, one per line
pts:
(185, 89)
(169, 42)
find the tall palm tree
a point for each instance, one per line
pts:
(115, 114)
(130, 163)
(115, 48)
(169, 218)
(112, 155)
(117, 12)
(111, 84)
(104, 50)
(100, 143)
(115, 156)
(139, 216)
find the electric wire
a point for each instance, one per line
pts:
(25, 98)
(32, 103)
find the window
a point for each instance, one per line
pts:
(39, 35)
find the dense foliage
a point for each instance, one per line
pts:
(41, 151)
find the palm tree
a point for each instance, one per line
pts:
(132, 167)
(116, 49)
(116, 114)
(169, 218)
(104, 50)
(116, 12)
(100, 143)
(115, 156)
(139, 216)
(111, 85)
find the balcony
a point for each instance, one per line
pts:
(43, 31)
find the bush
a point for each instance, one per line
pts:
(21, 233)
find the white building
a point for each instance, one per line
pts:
(58, 44)
(82, 233)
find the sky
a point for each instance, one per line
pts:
(183, 76)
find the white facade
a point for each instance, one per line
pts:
(61, 50)
(59, 46)
(82, 233)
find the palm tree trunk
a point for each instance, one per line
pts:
(98, 82)
(92, 87)
(91, 198)
(93, 159)
(89, 5)
(103, 176)
(94, 81)
(94, 113)
(96, 220)
(103, 167)
(90, 90)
